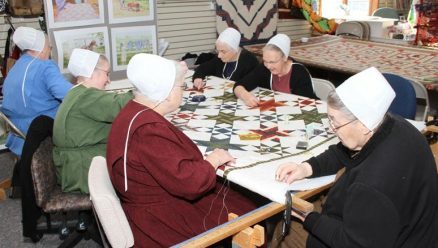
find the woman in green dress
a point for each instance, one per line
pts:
(84, 119)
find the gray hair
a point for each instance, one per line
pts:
(102, 59)
(335, 102)
(273, 47)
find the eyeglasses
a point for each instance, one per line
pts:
(334, 128)
(222, 51)
(107, 72)
(271, 62)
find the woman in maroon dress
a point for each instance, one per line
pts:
(168, 190)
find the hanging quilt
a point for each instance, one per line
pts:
(256, 20)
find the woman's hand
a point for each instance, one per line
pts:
(299, 216)
(249, 99)
(219, 157)
(290, 172)
(198, 83)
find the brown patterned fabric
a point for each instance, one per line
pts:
(48, 193)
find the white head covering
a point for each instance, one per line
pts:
(281, 41)
(231, 37)
(152, 75)
(82, 62)
(29, 38)
(367, 95)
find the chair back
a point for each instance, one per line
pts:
(421, 93)
(386, 12)
(366, 30)
(107, 205)
(322, 88)
(350, 29)
(11, 127)
(43, 172)
(405, 102)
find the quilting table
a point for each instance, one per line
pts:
(259, 138)
(351, 56)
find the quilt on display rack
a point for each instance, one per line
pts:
(259, 138)
(256, 20)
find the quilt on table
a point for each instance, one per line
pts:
(351, 56)
(256, 20)
(268, 132)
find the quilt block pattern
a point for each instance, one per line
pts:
(267, 132)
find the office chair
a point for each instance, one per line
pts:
(350, 29)
(322, 88)
(405, 102)
(50, 198)
(386, 12)
(106, 205)
(10, 127)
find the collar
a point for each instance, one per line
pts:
(354, 158)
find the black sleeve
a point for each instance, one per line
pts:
(209, 68)
(258, 77)
(370, 219)
(328, 162)
(301, 81)
(247, 62)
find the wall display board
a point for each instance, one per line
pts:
(121, 11)
(128, 41)
(118, 29)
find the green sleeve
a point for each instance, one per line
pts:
(104, 106)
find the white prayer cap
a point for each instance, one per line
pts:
(29, 39)
(281, 41)
(82, 62)
(152, 75)
(367, 95)
(231, 37)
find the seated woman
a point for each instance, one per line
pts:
(33, 87)
(232, 62)
(84, 119)
(387, 195)
(278, 72)
(168, 190)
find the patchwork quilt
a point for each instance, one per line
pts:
(351, 56)
(260, 138)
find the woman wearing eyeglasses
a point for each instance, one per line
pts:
(278, 72)
(232, 62)
(84, 119)
(387, 196)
